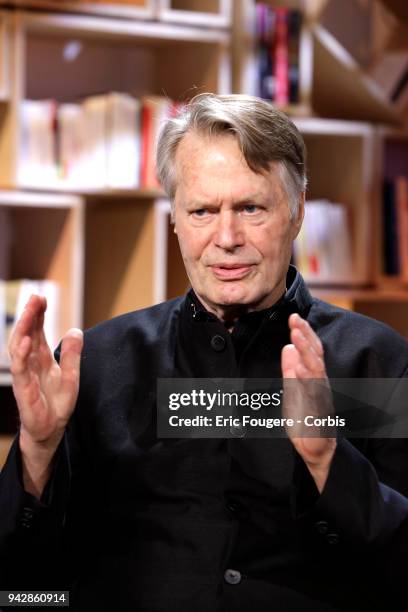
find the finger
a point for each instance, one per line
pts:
(38, 330)
(289, 360)
(71, 349)
(296, 322)
(18, 367)
(309, 358)
(27, 323)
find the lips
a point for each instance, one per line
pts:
(231, 271)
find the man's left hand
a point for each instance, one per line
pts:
(304, 360)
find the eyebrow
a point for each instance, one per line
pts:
(251, 198)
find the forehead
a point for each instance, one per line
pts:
(203, 162)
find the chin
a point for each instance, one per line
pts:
(233, 296)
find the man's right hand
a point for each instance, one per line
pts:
(46, 392)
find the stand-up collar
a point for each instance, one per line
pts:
(296, 299)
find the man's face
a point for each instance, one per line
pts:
(233, 225)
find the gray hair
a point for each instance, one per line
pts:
(264, 135)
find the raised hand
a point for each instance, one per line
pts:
(303, 360)
(45, 391)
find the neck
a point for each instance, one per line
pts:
(228, 314)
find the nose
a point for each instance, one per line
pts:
(229, 232)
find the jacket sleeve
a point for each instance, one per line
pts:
(356, 513)
(31, 530)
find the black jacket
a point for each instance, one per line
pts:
(132, 522)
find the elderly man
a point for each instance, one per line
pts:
(93, 501)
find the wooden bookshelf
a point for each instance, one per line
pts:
(399, 8)
(125, 9)
(325, 69)
(123, 266)
(207, 13)
(146, 52)
(4, 56)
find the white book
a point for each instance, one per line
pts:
(50, 290)
(123, 141)
(96, 151)
(341, 247)
(37, 161)
(72, 145)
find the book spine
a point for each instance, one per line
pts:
(281, 57)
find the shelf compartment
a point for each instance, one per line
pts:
(43, 240)
(203, 13)
(392, 166)
(123, 282)
(339, 162)
(147, 54)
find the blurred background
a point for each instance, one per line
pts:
(84, 89)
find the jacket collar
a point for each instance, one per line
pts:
(296, 299)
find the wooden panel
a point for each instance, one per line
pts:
(135, 9)
(9, 119)
(144, 69)
(42, 247)
(177, 280)
(340, 89)
(5, 444)
(201, 66)
(196, 12)
(119, 258)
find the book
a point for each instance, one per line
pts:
(72, 146)
(281, 59)
(38, 143)
(323, 247)
(401, 195)
(96, 151)
(155, 111)
(277, 32)
(123, 141)
(14, 295)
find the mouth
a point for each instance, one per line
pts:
(231, 271)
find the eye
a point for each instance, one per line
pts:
(201, 212)
(251, 209)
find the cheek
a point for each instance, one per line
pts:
(191, 245)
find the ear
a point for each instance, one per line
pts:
(298, 219)
(173, 216)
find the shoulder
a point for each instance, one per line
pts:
(148, 324)
(356, 339)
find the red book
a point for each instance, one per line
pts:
(281, 57)
(147, 116)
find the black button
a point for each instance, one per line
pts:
(332, 538)
(237, 509)
(232, 576)
(233, 506)
(27, 513)
(218, 343)
(322, 527)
